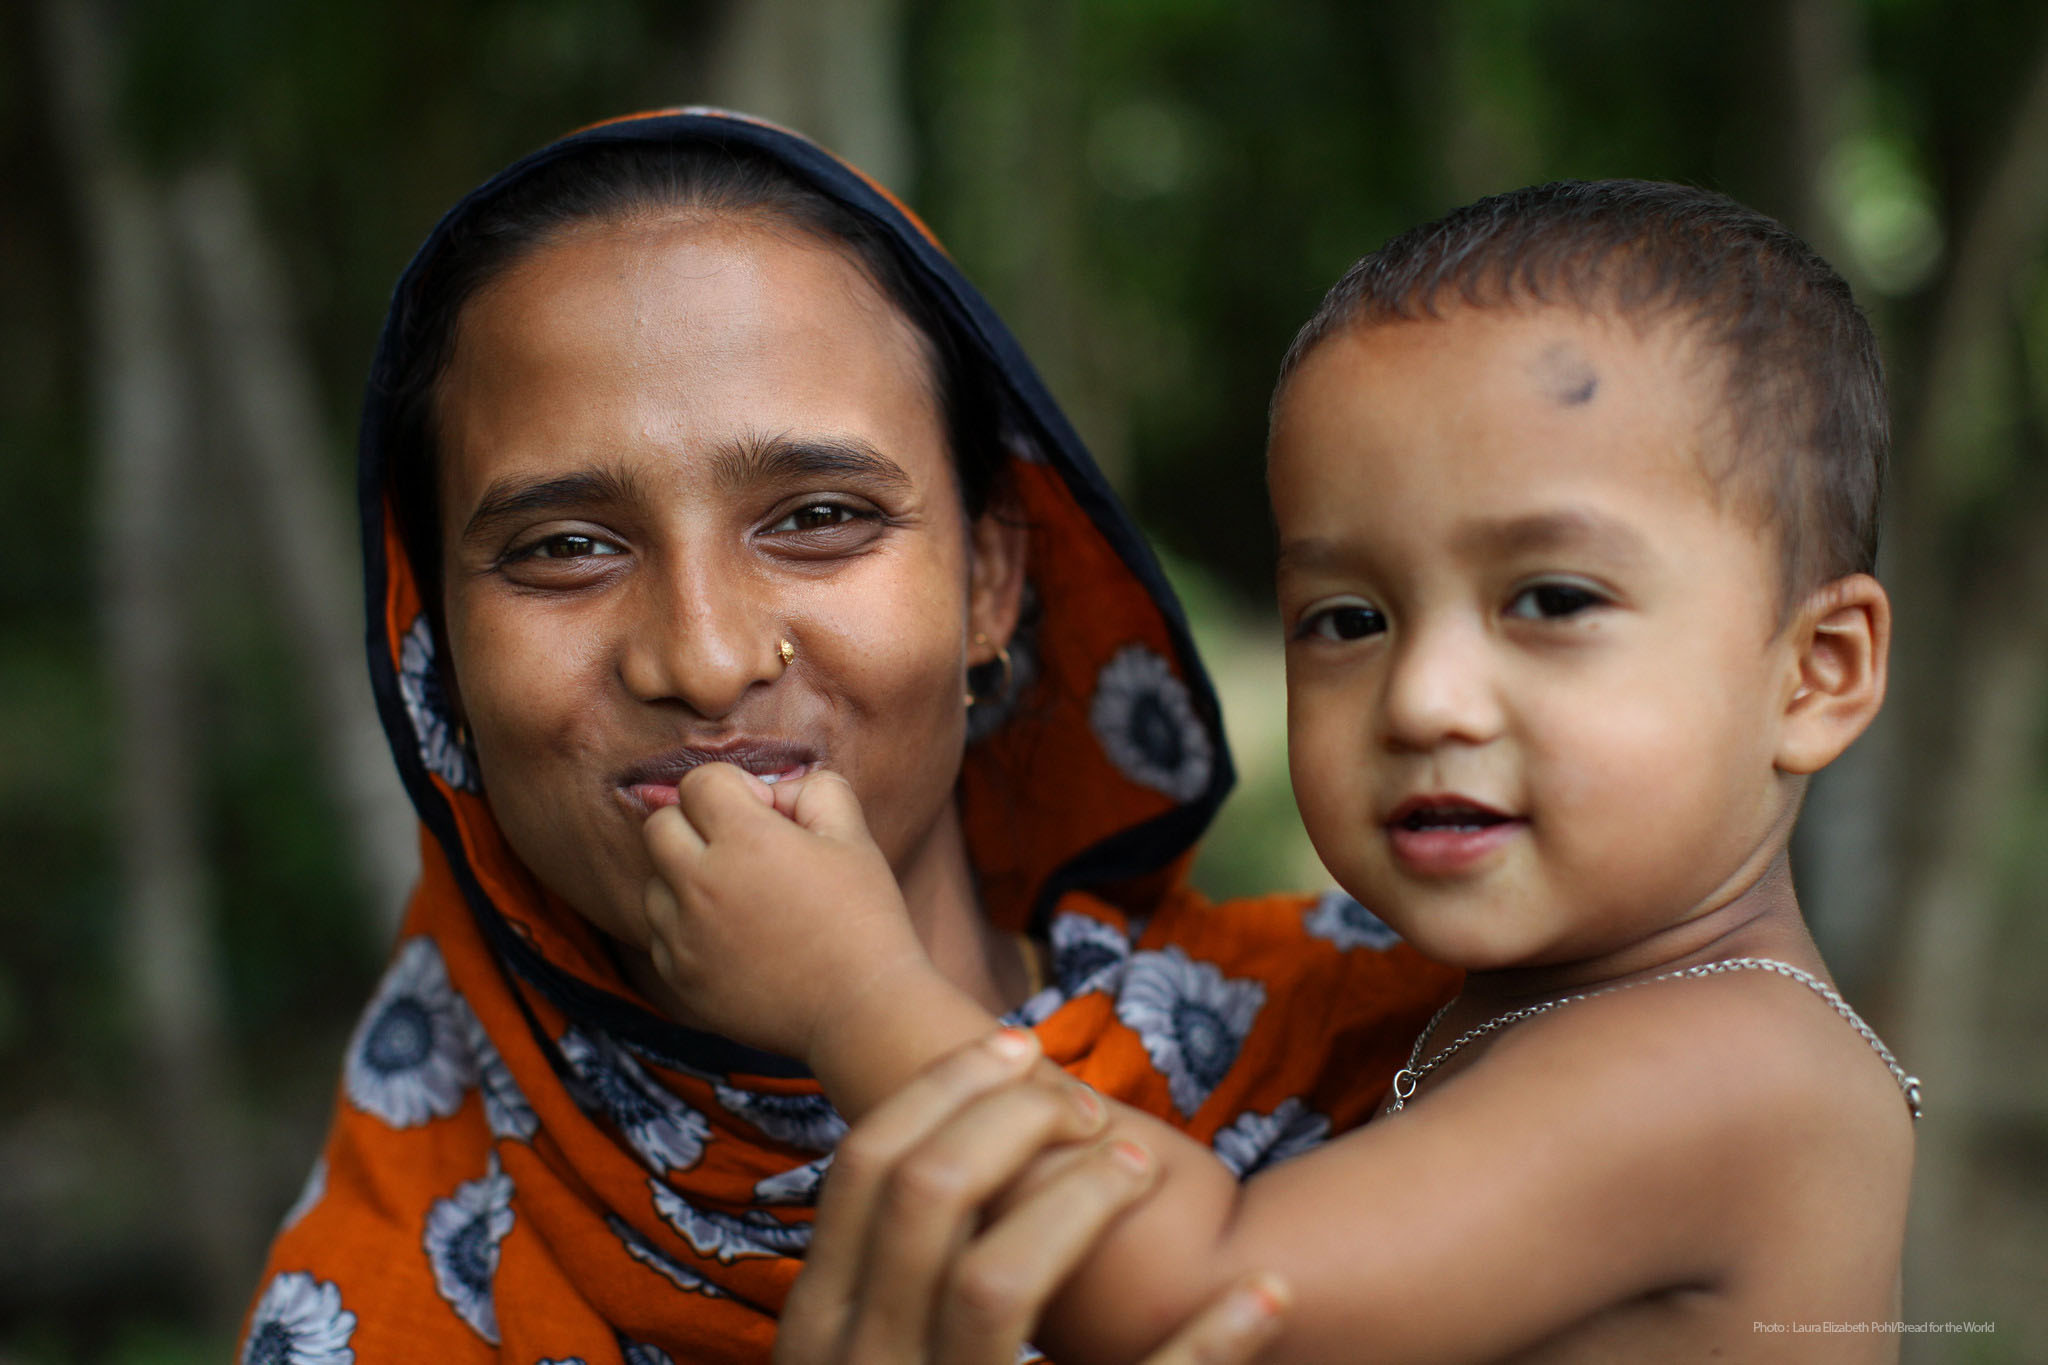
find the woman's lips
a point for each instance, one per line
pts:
(1443, 836)
(648, 786)
(652, 796)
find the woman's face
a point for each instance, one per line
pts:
(666, 447)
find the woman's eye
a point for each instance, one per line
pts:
(1553, 601)
(572, 546)
(817, 516)
(1343, 621)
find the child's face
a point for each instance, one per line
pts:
(1534, 673)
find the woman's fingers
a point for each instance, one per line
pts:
(999, 1284)
(1233, 1329)
(935, 1196)
(900, 1267)
(846, 1207)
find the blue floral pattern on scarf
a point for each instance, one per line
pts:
(794, 1188)
(410, 1059)
(1145, 720)
(299, 1321)
(808, 1123)
(677, 1274)
(426, 706)
(1252, 1142)
(1336, 918)
(668, 1134)
(461, 1242)
(1192, 1019)
(726, 1237)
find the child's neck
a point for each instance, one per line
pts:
(1759, 919)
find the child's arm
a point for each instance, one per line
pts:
(1577, 1175)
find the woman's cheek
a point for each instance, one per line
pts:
(904, 699)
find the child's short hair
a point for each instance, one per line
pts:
(1805, 385)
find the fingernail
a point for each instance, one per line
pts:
(1086, 1101)
(1131, 1156)
(1014, 1044)
(1256, 1304)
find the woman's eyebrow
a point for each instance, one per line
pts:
(784, 457)
(512, 497)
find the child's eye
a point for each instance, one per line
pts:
(571, 545)
(1340, 621)
(1553, 601)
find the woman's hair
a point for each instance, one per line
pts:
(612, 183)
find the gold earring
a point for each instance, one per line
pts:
(1003, 662)
(785, 651)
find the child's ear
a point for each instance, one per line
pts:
(1841, 636)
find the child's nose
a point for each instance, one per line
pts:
(1439, 690)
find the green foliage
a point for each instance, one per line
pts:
(1155, 193)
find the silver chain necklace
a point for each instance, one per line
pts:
(1411, 1075)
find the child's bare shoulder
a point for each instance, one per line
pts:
(1747, 1089)
(1728, 1052)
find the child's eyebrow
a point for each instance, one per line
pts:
(1571, 528)
(1311, 555)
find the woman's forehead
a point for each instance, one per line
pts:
(678, 287)
(680, 335)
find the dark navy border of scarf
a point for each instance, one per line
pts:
(1129, 853)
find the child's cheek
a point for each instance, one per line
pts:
(1331, 786)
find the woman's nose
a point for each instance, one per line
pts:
(1440, 690)
(700, 637)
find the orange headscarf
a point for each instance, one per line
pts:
(528, 1163)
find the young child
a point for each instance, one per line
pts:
(1576, 493)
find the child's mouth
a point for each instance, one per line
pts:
(1456, 816)
(1438, 836)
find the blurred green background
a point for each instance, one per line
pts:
(204, 205)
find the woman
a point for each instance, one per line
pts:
(685, 443)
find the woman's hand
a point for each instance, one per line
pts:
(906, 1267)
(772, 911)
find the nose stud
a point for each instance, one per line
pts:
(785, 651)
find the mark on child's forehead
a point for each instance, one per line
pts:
(1563, 372)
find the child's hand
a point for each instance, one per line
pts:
(773, 918)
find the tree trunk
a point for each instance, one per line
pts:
(170, 965)
(1008, 131)
(1843, 861)
(1969, 703)
(832, 69)
(1950, 944)
(267, 381)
